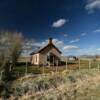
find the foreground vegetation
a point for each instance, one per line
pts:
(67, 85)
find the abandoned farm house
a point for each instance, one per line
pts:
(48, 55)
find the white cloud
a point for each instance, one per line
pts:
(59, 23)
(32, 43)
(98, 49)
(92, 5)
(70, 47)
(96, 31)
(83, 34)
(73, 41)
(57, 42)
(65, 35)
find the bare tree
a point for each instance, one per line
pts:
(10, 50)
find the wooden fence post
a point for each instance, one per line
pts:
(98, 66)
(1, 74)
(79, 64)
(66, 64)
(26, 68)
(89, 64)
(43, 68)
(10, 68)
(53, 61)
(56, 67)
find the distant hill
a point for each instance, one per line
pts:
(83, 57)
(91, 57)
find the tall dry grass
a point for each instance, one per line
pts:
(75, 85)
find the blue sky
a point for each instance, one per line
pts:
(73, 24)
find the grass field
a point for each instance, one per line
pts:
(71, 65)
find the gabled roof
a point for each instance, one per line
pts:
(50, 44)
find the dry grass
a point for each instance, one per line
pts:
(75, 85)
